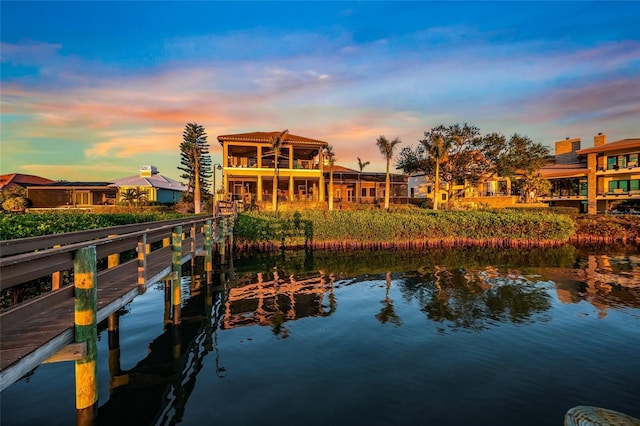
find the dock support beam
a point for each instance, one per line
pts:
(85, 318)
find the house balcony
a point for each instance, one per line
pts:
(618, 194)
(267, 163)
(630, 168)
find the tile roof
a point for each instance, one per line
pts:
(64, 183)
(154, 181)
(18, 180)
(633, 143)
(268, 136)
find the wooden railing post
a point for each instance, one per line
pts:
(113, 260)
(208, 259)
(176, 296)
(142, 263)
(192, 235)
(223, 243)
(55, 277)
(85, 307)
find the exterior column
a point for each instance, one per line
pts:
(291, 188)
(259, 157)
(291, 156)
(259, 189)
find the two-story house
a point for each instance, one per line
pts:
(595, 179)
(248, 166)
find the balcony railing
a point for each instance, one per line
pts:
(244, 162)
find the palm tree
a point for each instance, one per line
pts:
(133, 196)
(386, 149)
(437, 145)
(362, 165)
(276, 143)
(331, 159)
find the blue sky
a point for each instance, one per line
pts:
(92, 90)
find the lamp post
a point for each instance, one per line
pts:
(216, 166)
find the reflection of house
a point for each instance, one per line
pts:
(18, 180)
(594, 179)
(353, 186)
(604, 281)
(275, 301)
(157, 187)
(249, 165)
(71, 194)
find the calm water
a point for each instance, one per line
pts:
(452, 337)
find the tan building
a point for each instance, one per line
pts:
(602, 178)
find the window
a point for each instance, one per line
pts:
(634, 185)
(633, 160)
(583, 187)
(364, 192)
(619, 186)
(622, 161)
(372, 192)
(82, 198)
(611, 163)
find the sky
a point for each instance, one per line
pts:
(92, 90)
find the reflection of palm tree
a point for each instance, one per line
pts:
(387, 313)
(475, 299)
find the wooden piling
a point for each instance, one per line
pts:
(85, 308)
(142, 263)
(208, 259)
(176, 243)
(176, 296)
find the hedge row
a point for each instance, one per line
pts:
(380, 226)
(34, 224)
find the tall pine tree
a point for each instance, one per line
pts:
(195, 162)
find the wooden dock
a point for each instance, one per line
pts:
(42, 329)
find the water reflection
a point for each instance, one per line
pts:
(602, 280)
(267, 299)
(468, 291)
(474, 299)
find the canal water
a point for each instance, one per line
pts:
(440, 337)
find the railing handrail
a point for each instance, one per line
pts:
(29, 244)
(59, 258)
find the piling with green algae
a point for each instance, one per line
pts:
(85, 319)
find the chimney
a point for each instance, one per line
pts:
(566, 150)
(599, 139)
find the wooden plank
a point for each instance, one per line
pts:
(33, 359)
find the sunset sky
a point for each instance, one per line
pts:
(92, 90)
